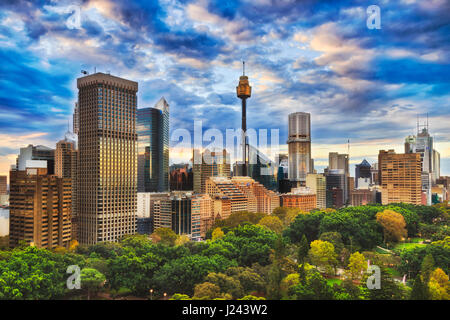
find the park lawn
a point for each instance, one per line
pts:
(394, 272)
(408, 246)
(332, 281)
(417, 240)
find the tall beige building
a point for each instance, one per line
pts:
(107, 168)
(318, 185)
(74, 178)
(63, 158)
(40, 208)
(400, 176)
(3, 185)
(299, 145)
(209, 164)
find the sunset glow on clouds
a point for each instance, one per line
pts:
(312, 56)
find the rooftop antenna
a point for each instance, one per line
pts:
(243, 68)
(417, 123)
(427, 121)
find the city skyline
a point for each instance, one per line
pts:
(359, 84)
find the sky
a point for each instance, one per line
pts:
(359, 84)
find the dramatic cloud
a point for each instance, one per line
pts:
(366, 85)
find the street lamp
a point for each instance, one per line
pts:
(151, 294)
(165, 294)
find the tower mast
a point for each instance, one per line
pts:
(244, 92)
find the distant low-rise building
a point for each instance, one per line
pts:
(302, 198)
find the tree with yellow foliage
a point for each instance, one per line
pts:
(217, 233)
(357, 265)
(273, 223)
(322, 255)
(393, 224)
(439, 286)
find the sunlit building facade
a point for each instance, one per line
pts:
(153, 148)
(107, 168)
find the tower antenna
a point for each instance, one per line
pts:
(417, 123)
(243, 68)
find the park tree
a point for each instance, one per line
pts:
(180, 275)
(335, 238)
(217, 234)
(393, 224)
(389, 288)
(305, 224)
(207, 291)
(181, 240)
(226, 284)
(273, 223)
(322, 255)
(315, 288)
(289, 281)
(357, 265)
(250, 280)
(439, 285)
(91, 281)
(420, 289)
(165, 235)
(427, 267)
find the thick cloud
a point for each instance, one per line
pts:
(312, 56)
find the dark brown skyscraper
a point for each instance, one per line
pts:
(107, 159)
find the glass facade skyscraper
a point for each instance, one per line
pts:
(107, 158)
(153, 148)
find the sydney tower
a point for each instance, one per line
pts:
(244, 91)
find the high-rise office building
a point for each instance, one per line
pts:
(202, 204)
(40, 207)
(182, 212)
(436, 166)
(181, 179)
(400, 177)
(74, 178)
(107, 161)
(299, 145)
(362, 170)
(318, 185)
(337, 187)
(63, 158)
(153, 148)
(361, 197)
(430, 159)
(76, 119)
(3, 185)
(338, 161)
(39, 152)
(209, 164)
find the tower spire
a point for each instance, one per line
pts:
(244, 91)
